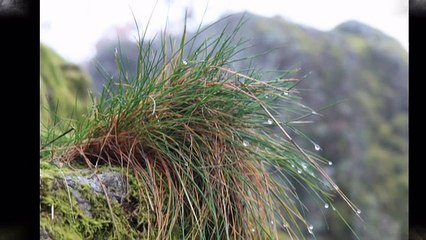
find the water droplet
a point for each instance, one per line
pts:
(317, 147)
(314, 113)
(326, 205)
(358, 211)
(184, 62)
(253, 230)
(266, 96)
(292, 165)
(246, 143)
(270, 121)
(285, 225)
(299, 171)
(330, 163)
(304, 166)
(186, 164)
(286, 93)
(310, 229)
(334, 209)
(272, 222)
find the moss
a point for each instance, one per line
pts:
(64, 211)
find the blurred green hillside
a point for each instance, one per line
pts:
(365, 135)
(64, 88)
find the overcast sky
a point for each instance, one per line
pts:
(72, 28)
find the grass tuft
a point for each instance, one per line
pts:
(197, 141)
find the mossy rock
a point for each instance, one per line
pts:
(76, 203)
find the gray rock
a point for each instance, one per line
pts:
(82, 202)
(44, 235)
(113, 182)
